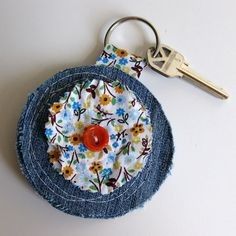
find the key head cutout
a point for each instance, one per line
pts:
(166, 62)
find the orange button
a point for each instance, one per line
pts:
(95, 138)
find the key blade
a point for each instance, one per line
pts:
(204, 84)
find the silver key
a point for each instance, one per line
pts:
(171, 63)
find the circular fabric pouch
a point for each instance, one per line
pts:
(112, 201)
(99, 135)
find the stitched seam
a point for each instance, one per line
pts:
(90, 200)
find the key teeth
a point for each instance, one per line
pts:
(186, 63)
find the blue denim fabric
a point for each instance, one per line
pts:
(62, 194)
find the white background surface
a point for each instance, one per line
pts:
(39, 38)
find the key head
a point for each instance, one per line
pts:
(171, 63)
(166, 62)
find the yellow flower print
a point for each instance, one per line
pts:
(67, 171)
(105, 99)
(118, 128)
(89, 154)
(87, 104)
(54, 156)
(96, 167)
(79, 124)
(121, 53)
(137, 129)
(138, 165)
(116, 165)
(74, 139)
(56, 107)
(136, 139)
(87, 117)
(126, 69)
(119, 89)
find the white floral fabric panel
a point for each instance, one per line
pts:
(121, 59)
(114, 107)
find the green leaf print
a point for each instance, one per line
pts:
(133, 149)
(118, 66)
(123, 180)
(113, 101)
(125, 151)
(65, 139)
(74, 91)
(113, 123)
(82, 156)
(99, 115)
(95, 180)
(93, 188)
(100, 155)
(114, 49)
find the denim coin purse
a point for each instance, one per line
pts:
(93, 141)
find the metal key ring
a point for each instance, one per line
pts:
(122, 20)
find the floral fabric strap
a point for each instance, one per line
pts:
(121, 59)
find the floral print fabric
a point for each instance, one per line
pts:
(121, 59)
(114, 107)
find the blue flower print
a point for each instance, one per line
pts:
(121, 99)
(113, 136)
(120, 112)
(48, 132)
(81, 168)
(76, 105)
(115, 144)
(110, 128)
(70, 148)
(66, 155)
(123, 61)
(66, 114)
(105, 60)
(84, 176)
(68, 127)
(124, 141)
(106, 172)
(134, 114)
(82, 148)
(146, 121)
(99, 59)
(129, 159)
(113, 56)
(111, 157)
